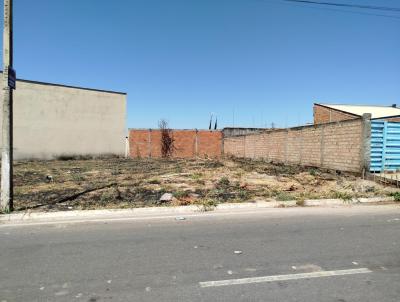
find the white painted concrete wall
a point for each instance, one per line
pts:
(52, 120)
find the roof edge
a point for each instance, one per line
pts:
(346, 112)
(68, 86)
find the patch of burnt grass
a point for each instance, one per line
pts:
(226, 191)
(272, 168)
(208, 164)
(154, 181)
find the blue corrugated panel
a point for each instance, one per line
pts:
(385, 146)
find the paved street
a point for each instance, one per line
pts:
(303, 254)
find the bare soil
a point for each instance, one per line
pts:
(127, 183)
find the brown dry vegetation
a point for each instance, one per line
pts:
(127, 183)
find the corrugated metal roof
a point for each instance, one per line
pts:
(376, 111)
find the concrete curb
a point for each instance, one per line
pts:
(192, 209)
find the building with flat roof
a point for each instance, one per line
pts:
(326, 113)
(52, 120)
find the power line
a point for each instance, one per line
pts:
(301, 2)
(371, 7)
(355, 12)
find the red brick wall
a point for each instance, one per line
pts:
(187, 143)
(393, 119)
(324, 115)
(335, 145)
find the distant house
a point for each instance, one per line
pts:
(326, 113)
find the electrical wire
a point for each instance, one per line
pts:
(370, 7)
(300, 2)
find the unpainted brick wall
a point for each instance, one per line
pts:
(187, 143)
(327, 115)
(334, 145)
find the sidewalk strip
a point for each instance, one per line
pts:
(285, 277)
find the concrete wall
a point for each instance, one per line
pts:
(187, 143)
(340, 146)
(234, 131)
(54, 120)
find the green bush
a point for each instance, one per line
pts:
(396, 195)
(181, 194)
(208, 205)
(223, 183)
(283, 196)
(345, 196)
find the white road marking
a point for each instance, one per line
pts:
(285, 277)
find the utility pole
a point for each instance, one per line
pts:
(7, 129)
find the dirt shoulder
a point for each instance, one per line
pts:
(130, 183)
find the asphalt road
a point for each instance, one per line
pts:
(166, 259)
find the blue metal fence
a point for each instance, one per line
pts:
(385, 146)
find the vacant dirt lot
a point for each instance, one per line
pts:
(123, 183)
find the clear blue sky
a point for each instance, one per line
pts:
(267, 61)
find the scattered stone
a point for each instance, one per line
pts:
(148, 289)
(195, 247)
(42, 288)
(61, 293)
(238, 252)
(355, 263)
(109, 281)
(307, 268)
(166, 197)
(229, 272)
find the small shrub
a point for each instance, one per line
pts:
(154, 181)
(213, 164)
(196, 176)
(396, 196)
(200, 182)
(77, 177)
(115, 171)
(167, 139)
(223, 183)
(106, 197)
(208, 205)
(345, 196)
(243, 194)
(181, 194)
(313, 172)
(283, 196)
(178, 169)
(301, 202)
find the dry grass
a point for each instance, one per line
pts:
(121, 183)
